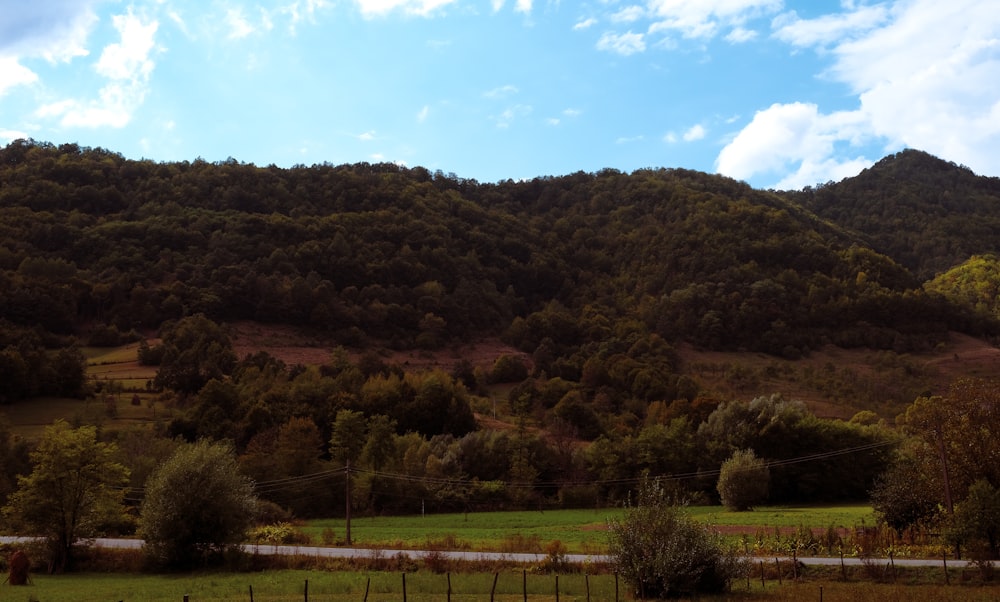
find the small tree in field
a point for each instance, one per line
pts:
(743, 481)
(75, 490)
(197, 504)
(664, 553)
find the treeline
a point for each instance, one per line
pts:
(582, 270)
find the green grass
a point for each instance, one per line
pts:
(290, 585)
(581, 531)
(819, 517)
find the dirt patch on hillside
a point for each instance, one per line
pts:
(298, 346)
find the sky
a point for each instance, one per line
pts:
(778, 93)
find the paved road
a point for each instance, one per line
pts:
(328, 552)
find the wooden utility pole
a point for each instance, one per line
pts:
(347, 494)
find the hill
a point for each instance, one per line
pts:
(928, 214)
(596, 278)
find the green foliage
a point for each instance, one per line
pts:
(663, 553)
(906, 495)
(197, 505)
(743, 481)
(75, 490)
(195, 351)
(976, 522)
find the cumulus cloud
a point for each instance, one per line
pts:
(696, 132)
(794, 138)
(923, 77)
(623, 44)
(127, 66)
(56, 30)
(585, 24)
(13, 74)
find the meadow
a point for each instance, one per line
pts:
(503, 585)
(581, 531)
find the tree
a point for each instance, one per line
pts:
(743, 480)
(195, 350)
(905, 495)
(75, 490)
(976, 522)
(664, 553)
(197, 504)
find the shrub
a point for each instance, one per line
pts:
(743, 481)
(664, 553)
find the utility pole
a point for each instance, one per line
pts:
(347, 490)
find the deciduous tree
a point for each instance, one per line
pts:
(75, 489)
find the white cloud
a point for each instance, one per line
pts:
(585, 24)
(629, 14)
(501, 92)
(740, 35)
(239, 27)
(522, 6)
(670, 137)
(623, 44)
(13, 74)
(507, 117)
(128, 67)
(696, 132)
(423, 113)
(924, 78)
(8, 136)
(367, 136)
(704, 18)
(828, 28)
(629, 139)
(571, 112)
(377, 8)
(55, 30)
(794, 138)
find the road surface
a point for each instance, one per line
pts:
(527, 558)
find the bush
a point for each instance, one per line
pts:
(663, 553)
(743, 481)
(197, 506)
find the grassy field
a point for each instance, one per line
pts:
(424, 586)
(322, 585)
(120, 377)
(581, 531)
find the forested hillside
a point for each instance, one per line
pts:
(596, 278)
(926, 213)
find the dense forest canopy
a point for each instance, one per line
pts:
(596, 278)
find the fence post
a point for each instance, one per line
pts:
(368, 585)
(762, 574)
(944, 560)
(251, 593)
(586, 581)
(449, 587)
(305, 592)
(557, 588)
(778, 566)
(404, 587)
(493, 590)
(524, 583)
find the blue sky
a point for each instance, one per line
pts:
(779, 93)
